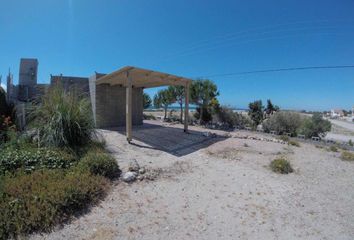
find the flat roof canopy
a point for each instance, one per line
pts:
(142, 78)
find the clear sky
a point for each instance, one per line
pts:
(193, 38)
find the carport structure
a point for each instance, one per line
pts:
(133, 77)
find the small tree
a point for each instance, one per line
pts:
(283, 122)
(163, 98)
(270, 109)
(256, 112)
(202, 92)
(146, 100)
(315, 126)
(178, 94)
(231, 119)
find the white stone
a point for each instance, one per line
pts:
(129, 176)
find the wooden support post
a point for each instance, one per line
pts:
(128, 107)
(186, 107)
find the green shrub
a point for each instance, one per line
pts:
(149, 116)
(283, 122)
(230, 118)
(294, 143)
(99, 163)
(284, 138)
(281, 165)
(347, 156)
(31, 159)
(333, 149)
(315, 126)
(350, 142)
(37, 201)
(64, 119)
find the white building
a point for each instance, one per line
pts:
(337, 113)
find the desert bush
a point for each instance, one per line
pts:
(315, 126)
(283, 122)
(333, 149)
(281, 165)
(30, 159)
(63, 119)
(230, 118)
(284, 138)
(99, 163)
(37, 201)
(149, 117)
(294, 143)
(347, 156)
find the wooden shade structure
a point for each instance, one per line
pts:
(133, 77)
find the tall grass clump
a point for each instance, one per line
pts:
(281, 165)
(63, 119)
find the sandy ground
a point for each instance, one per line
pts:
(344, 124)
(220, 188)
(341, 131)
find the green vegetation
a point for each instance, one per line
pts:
(287, 139)
(315, 126)
(146, 100)
(99, 163)
(42, 187)
(63, 119)
(203, 92)
(350, 142)
(284, 138)
(294, 143)
(283, 122)
(270, 109)
(149, 116)
(178, 94)
(38, 201)
(347, 156)
(163, 98)
(53, 171)
(7, 116)
(230, 118)
(333, 149)
(31, 159)
(281, 165)
(256, 112)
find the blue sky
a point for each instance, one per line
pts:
(193, 39)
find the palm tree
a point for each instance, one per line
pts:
(163, 98)
(202, 92)
(178, 94)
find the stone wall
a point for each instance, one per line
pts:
(80, 85)
(110, 107)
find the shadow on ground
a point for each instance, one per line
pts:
(172, 140)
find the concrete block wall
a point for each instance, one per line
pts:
(110, 106)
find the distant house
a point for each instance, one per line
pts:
(337, 113)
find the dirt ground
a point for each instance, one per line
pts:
(219, 188)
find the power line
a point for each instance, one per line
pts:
(278, 70)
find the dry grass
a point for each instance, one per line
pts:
(347, 156)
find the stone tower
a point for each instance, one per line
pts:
(27, 80)
(28, 72)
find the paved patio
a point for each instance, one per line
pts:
(169, 138)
